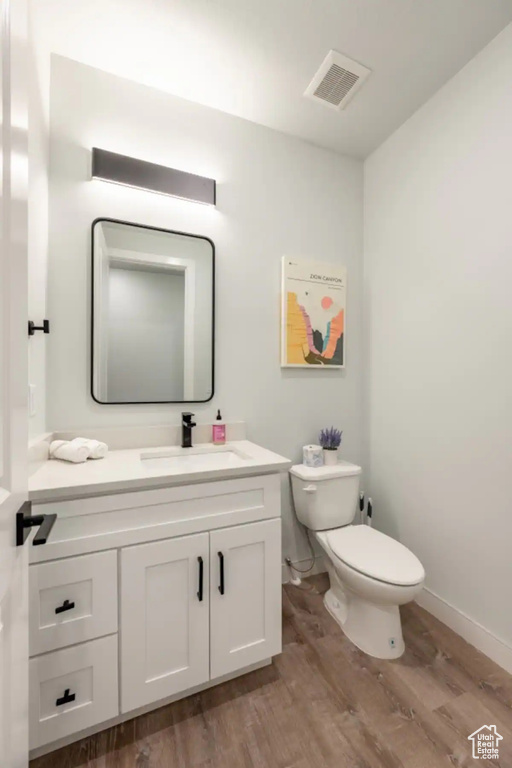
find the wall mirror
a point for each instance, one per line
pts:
(152, 315)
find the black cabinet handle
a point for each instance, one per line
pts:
(201, 567)
(221, 566)
(66, 606)
(66, 699)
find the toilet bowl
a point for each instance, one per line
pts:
(364, 604)
(370, 573)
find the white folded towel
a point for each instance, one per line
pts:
(66, 451)
(97, 450)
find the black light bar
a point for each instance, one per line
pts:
(120, 169)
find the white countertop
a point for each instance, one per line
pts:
(123, 470)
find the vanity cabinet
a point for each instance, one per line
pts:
(144, 597)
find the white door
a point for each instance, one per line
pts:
(13, 384)
(164, 619)
(245, 586)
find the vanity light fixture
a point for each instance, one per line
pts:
(130, 172)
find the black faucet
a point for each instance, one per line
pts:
(186, 429)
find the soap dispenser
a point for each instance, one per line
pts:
(218, 431)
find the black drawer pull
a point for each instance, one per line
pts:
(66, 606)
(221, 566)
(201, 567)
(66, 699)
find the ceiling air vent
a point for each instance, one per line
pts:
(337, 81)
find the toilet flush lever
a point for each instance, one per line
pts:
(310, 489)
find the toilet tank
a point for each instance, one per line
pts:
(326, 497)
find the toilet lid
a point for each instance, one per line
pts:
(376, 555)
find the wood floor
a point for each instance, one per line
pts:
(323, 704)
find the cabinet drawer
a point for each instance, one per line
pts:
(72, 601)
(72, 689)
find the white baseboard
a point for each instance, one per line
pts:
(318, 567)
(475, 634)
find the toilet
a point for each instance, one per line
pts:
(370, 573)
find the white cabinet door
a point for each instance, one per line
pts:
(164, 619)
(245, 595)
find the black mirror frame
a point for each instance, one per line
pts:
(170, 232)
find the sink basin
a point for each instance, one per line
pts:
(201, 457)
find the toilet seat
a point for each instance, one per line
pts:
(375, 555)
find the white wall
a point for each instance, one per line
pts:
(438, 277)
(39, 94)
(153, 335)
(276, 195)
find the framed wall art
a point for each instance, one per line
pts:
(313, 315)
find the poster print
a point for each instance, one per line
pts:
(313, 313)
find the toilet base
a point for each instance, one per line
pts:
(374, 629)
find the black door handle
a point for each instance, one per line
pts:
(221, 567)
(45, 528)
(201, 567)
(66, 606)
(25, 521)
(66, 699)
